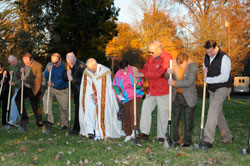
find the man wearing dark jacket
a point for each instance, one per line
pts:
(217, 67)
(4, 78)
(73, 72)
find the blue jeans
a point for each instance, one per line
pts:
(14, 114)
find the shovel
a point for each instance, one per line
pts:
(170, 142)
(8, 105)
(247, 151)
(196, 146)
(46, 126)
(21, 127)
(69, 105)
(135, 140)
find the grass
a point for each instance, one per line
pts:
(35, 148)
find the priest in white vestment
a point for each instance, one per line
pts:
(98, 105)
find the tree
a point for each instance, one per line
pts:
(126, 45)
(84, 27)
(205, 20)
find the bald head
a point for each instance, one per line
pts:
(12, 60)
(155, 48)
(71, 59)
(91, 65)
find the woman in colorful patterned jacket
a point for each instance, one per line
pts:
(123, 85)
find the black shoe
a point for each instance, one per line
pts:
(185, 145)
(175, 143)
(64, 128)
(91, 136)
(206, 145)
(143, 136)
(39, 124)
(74, 132)
(161, 140)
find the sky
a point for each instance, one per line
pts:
(125, 14)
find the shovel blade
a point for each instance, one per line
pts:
(6, 127)
(46, 129)
(136, 141)
(20, 129)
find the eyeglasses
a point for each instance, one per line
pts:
(150, 52)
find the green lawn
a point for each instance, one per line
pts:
(35, 148)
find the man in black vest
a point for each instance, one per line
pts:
(217, 67)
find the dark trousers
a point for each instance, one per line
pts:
(76, 126)
(178, 105)
(4, 102)
(35, 104)
(128, 121)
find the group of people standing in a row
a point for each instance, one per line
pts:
(96, 96)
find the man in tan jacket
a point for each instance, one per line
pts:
(32, 78)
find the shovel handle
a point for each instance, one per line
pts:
(9, 94)
(69, 100)
(203, 105)
(170, 93)
(48, 94)
(134, 103)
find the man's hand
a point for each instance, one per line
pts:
(22, 70)
(50, 68)
(170, 71)
(204, 74)
(50, 84)
(94, 97)
(70, 78)
(11, 72)
(11, 83)
(171, 82)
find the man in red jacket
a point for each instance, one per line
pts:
(158, 90)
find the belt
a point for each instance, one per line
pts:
(61, 88)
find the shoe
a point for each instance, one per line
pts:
(228, 141)
(161, 140)
(91, 136)
(74, 132)
(143, 136)
(39, 124)
(128, 138)
(206, 145)
(175, 143)
(13, 124)
(64, 128)
(185, 145)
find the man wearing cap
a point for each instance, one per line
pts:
(98, 105)
(58, 90)
(73, 72)
(32, 78)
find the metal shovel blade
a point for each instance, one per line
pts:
(136, 141)
(46, 129)
(20, 129)
(6, 127)
(196, 147)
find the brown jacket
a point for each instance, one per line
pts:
(35, 77)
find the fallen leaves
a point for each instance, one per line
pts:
(24, 149)
(3, 158)
(147, 150)
(35, 157)
(179, 154)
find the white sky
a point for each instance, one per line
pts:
(125, 14)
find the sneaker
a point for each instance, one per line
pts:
(143, 136)
(228, 141)
(206, 145)
(91, 136)
(64, 128)
(13, 124)
(185, 145)
(128, 138)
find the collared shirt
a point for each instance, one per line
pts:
(225, 71)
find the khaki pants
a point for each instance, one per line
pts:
(216, 116)
(148, 107)
(62, 98)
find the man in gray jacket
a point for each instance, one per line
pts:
(184, 95)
